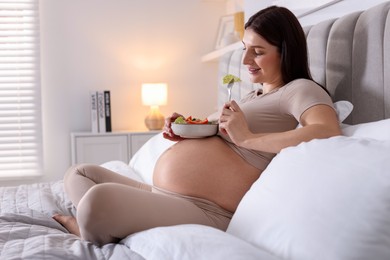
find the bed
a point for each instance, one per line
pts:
(324, 199)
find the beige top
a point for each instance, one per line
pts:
(277, 111)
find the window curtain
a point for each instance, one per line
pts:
(20, 99)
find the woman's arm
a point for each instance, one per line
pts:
(319, 121)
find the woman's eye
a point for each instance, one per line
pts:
(253, 52)
(258, 53)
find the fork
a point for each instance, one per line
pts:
(229, 88)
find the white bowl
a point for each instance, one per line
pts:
(194, 130)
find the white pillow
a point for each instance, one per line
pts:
(343, 108)
(191, 242)
(146, 157)
(325, 199)
(122, 168)
(379, 130)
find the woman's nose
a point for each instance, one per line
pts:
(246, 60)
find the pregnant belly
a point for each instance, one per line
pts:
(205, 168)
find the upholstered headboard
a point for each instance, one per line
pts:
(349, 55)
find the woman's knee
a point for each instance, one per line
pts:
(78, 169)
(75, 171)
(70, 177)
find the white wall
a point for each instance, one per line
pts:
(338, 9)
(117, 45)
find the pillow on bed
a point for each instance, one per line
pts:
(146, 157)
(123, 169)
(379, 130)
(343, 109)
(324, 199)
(192, 242)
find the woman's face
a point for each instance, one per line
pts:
(262, 60)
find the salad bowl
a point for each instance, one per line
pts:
(195, 130)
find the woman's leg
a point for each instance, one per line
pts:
(119, 206)
(109, 212)
(80, 178)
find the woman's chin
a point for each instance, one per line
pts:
(255, 79)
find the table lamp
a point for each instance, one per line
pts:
(154, 95)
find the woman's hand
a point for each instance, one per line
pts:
(168, 133)
(233, 123)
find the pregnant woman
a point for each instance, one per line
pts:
(201, 181)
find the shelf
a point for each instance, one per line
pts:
(213, 56)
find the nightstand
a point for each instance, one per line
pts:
(98, 148)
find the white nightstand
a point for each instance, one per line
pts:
(98, 148)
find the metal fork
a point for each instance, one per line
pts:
(229, 88)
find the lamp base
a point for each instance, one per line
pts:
(154, 120)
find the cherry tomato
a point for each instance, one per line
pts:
(191, 120)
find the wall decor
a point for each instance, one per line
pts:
(226, 33)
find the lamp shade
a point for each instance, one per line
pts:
(154, 94)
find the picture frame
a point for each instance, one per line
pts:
(226, 27)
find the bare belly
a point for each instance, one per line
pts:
(205, 168)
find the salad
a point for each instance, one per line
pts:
(229, 78)
(191, 120)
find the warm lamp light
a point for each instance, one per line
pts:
(154, 95)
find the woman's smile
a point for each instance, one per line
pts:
(253, 71)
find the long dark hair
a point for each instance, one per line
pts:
(281, 28)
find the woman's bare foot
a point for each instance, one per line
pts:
(69, 222)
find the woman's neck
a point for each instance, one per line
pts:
(269, 87)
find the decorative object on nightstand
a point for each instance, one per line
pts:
(100, 111)
(154, 95)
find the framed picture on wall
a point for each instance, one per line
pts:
(226, 28)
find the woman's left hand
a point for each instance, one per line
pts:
(233, 123)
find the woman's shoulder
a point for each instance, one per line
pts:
(301, 83)
(304, 89)
(303, 86)
(300, 94)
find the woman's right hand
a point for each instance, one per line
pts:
(168, 133)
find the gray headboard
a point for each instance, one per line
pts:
(349, 55)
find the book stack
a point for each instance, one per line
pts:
(100, 111)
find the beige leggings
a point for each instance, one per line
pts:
(111, 206)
